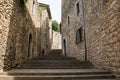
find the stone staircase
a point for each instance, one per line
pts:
(56, 67)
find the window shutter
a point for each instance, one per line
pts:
(79, 35)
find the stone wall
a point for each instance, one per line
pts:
(33, 9)
(103, 33)
(56, 43)
(17, 34)
(69, 29)
(46, 29)
(4, 29)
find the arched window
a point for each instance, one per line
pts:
(29, 46)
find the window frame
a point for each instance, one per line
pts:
(79, 35)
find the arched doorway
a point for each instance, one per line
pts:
(64, 46)
(43, 51)
(30, 46)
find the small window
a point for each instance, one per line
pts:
(68, 20)
(79, 35)
(78, 8)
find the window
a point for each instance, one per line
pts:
(78, 8)
(79, 35)
(68, 20)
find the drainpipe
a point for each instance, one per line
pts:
(83, 23)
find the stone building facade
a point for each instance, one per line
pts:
(98, 41)
(19, 26)
(103, 34)
(33, 8)
(71, 23)
(46, 28)
(56, 42)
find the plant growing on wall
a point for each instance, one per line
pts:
(24, 1)
(55, 26)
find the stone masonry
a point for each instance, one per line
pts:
(71, 22)
(18, 32)
(33, 9)
(100, 20)
(56, 43)
(46, 28)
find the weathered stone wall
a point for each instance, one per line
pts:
(73, 49)
(46, 28)
(4, 29)
(56, 43)
(33, 9)
(103, 33)
(16, 26)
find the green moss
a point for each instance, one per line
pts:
(24, 1)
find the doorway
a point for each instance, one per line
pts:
(64, 46)
(30, 46)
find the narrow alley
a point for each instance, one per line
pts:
(83, 44)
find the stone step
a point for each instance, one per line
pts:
(57, 61)
(54, 67)
(52, 58)
(55, 52)
(71, 73)
(54, 72)
(53, 62)
(58, 64)
(67, 64)
(55, 77)
(35, 78)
